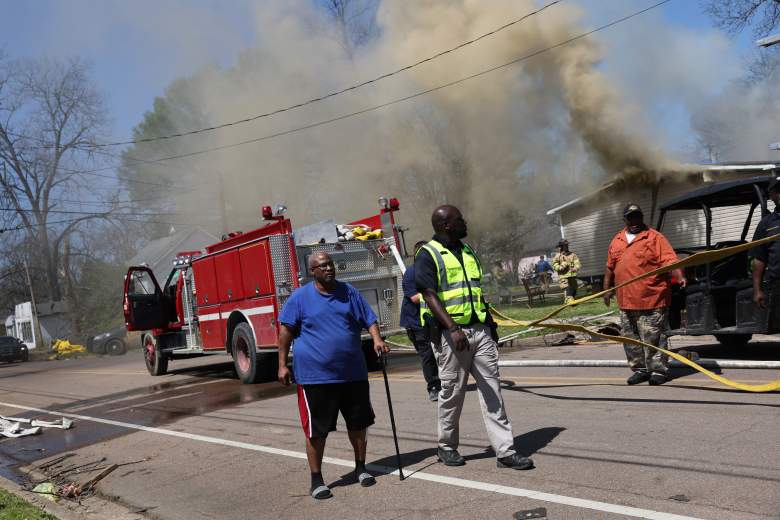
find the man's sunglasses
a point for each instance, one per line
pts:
(325, 266)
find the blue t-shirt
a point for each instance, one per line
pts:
(542, 266)
(327, 334)
(410, 311)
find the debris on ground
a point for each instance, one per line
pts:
(568, 339)
(12, 426)
(63, 348)
(72, 481)
(47, 490)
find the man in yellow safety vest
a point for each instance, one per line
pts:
(448, 274)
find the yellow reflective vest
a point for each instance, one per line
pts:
(460, 285)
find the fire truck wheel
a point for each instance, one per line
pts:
(156, 362)
(245, 356)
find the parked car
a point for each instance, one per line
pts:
(12, 349)
(112, 342)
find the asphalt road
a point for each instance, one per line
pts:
(220, 449)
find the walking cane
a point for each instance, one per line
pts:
(392, 417)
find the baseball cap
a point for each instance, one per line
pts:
(631, 208)
(774, 184)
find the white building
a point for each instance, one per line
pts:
(53, 320)
(590, 222)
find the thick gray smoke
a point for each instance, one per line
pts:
(502, 142)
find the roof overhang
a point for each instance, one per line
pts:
(578, 200)
(747, 167)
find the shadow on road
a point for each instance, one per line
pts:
(526, 444)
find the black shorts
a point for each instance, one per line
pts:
(319, 406)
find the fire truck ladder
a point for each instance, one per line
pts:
(189, 315)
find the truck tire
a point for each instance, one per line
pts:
(115, 347)
(156, 361)
(733, 340)
(251, 367)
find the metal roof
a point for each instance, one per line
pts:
(730, 193)
(753, 166)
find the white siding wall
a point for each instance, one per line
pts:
(590, 226)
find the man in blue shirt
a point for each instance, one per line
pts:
(410, 319)
(326, 318)
(543, 269)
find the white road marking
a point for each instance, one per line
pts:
(141, 405)
(441, 479)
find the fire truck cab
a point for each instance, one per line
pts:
(227, 297)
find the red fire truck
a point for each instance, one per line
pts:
(227, 297)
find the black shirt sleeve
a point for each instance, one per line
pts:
(425, 275)
(761, 252)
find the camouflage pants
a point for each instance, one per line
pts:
(649, 326)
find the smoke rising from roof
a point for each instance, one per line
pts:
(506, 140)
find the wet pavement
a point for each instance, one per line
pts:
(220, 449)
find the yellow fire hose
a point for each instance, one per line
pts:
(693, 260)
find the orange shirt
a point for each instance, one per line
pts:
(648, 251)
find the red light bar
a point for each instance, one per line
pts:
(268, 213)
(394, 204)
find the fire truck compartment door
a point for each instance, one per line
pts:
(205, 281)
(371, 295)
(256, 270)
(145, 307)
(229, 283)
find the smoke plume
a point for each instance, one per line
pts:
(508, 142)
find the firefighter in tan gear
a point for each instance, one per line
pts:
(567, 265)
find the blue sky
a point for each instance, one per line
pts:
(137, 48)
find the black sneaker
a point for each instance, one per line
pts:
(451, 458)
(515, 461)
(433, 395)
(640, 376)
(657, 379)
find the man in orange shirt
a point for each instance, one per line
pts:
(644, 304)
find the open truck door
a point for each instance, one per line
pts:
(145, 306)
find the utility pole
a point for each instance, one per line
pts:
(36, 322)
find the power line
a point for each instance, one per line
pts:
(405, 98)
(93, 172)
(95, 213)
(415, 95)
(336, 92)
(71, 220)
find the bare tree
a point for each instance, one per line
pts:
(50, 119)
(761, 16)
(355, 21)
(735, 15)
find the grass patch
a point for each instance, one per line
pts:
(523, 313)
(14, 508)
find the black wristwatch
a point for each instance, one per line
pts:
(454, 328)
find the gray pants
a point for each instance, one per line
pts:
(651, 327)
(481, 361)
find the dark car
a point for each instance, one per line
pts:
(112, 342)
(12, 349)
(719, 296)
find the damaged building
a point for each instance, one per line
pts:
(590, 222)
